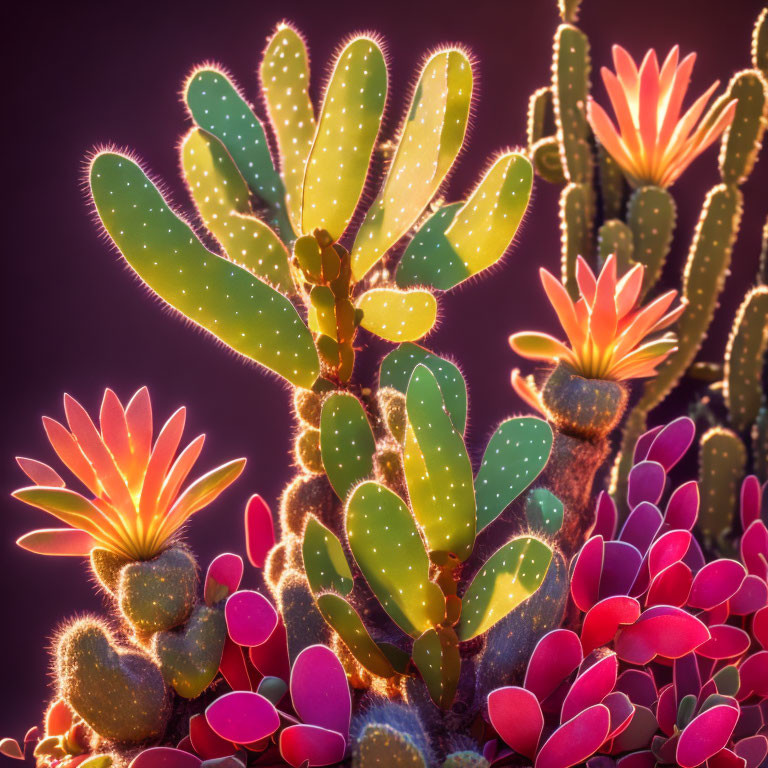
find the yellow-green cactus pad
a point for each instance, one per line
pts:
(430, 139)
(222, 200)
(436, 656)
(386, 545)
(398, 315)
(284, 74)
(511, 574)
(398, 366)
(437, 469)
(349, 122)
(346, 442)
(215, 104)
(321, 317)
(243, 312)
(459, 241)
(324, 561)
(745, 358)
(517, 452)
(350, 628)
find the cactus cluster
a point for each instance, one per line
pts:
(414, 602)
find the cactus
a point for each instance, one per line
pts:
(119, 692)
(575, 232)
(543, 511)
(390, 734)
(615, 237)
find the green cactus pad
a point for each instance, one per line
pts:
(541, 116)
(346, 442)
(615, 237)
(569, 10)
(145, 596)
(651, 216)
(324, 561)
(438, 471)
(745, 358)
(119, 692)
(382, 746)
(429, 141)
(742, 140)
(386, 545)
(284, 76)
(190, 657)
(322, 312)
(436, 656)
(613, 185)
(760, 43)
(349, 122)
(570, 88)
(304, 624)
(722, 463)
(350, 628)
(228, 301)
(509, 576)
(398, 315)
(545, 155)
(543, 511)
(397, 369)
(460, 241)
(222, 199)
(216, 105)
(516, 453)
(575, 232)
(106, 566)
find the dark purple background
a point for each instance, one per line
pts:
(75, 320)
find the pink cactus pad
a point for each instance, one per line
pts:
(576, 740)
(271, 657)
(706, 735)
(683, 506)
(715, 583)
(671, 443)
(165, 757)
(602, 620)
(206, 742)
(590, 687)
(311, 745)
(223, 577)
(251, 618)
(646, 483)
(554, 658)
(670, 633)
(259, 530)
(516, 716)
(242, 717)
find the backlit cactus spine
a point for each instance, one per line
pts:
(283, 291)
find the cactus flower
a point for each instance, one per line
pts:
(137, 504)
(653, 143)
(604, 328)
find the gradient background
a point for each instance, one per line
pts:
(75, 320)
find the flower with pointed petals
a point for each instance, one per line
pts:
(653, 143)
(604, 328)
(138, 505)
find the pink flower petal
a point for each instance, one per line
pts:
(715, 583)
(726, 642)
(639, 686)
(516, 716)
(554, 658)
(670, 634)
(259, 530)
(585, 580)
(606, 517)
(683, 506)
(311, 745)
(671, 586)
(271, 657)
(646, 483)
(753, 750)
(749, 506)
(753, 674)
(165, 757)
(669, 548)
(63, 542)
(641, 526)
(233, 668)
(621, 565)
(590, 687)
(576, 740)
(223, 577)
(751, 597)
(754, 549)
(603, 619)
(251, 618)
(672, 442)
(242, 717)
(706, 735)
(319, 689)
(206, 742)
(621, 711)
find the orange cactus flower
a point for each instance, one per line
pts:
(137, 505)
(604, 328)
(653, 144)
